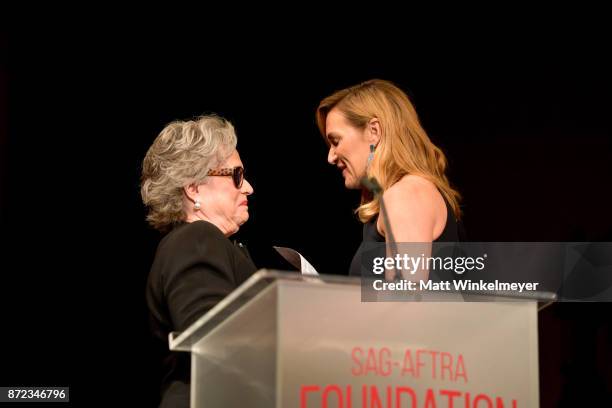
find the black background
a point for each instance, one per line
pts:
(527, 133)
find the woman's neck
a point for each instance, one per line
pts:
(226, 226)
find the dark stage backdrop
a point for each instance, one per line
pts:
(528, 139)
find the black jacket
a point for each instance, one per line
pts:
(195, 267)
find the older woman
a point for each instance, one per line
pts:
(194, 187)
(373, 130)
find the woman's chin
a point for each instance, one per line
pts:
(244, 217)
(351, 183)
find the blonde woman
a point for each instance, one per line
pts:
(373, 130)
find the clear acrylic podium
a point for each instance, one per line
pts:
(287, 340)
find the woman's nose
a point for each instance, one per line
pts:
(247, 188)
(332, 158)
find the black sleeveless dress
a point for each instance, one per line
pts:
(453, 232)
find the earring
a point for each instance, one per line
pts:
(371, 155)
(196, 205)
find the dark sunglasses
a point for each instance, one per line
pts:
(237, 174)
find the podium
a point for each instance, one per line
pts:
(287, 340)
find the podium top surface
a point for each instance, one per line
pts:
(241, 295)
(264, 278)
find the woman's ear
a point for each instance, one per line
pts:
(192, 192)
(374, 131)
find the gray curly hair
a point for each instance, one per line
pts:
(182, 154)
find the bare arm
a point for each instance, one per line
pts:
(414, 207)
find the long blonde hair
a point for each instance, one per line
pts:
(404, 146)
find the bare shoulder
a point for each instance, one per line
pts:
(411, 188)
(416, 210)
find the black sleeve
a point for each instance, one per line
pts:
(203, 277)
